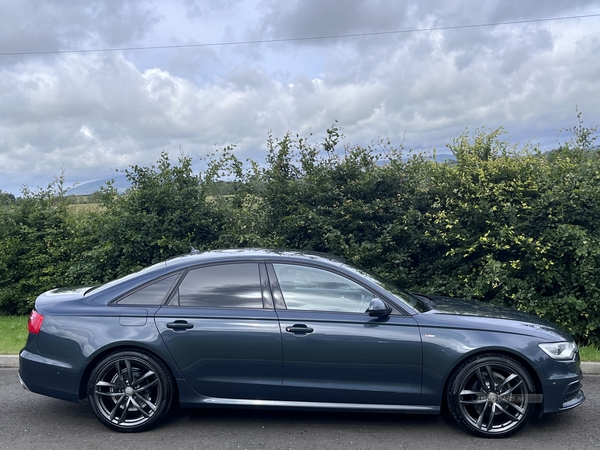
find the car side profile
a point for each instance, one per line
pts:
(291, 329)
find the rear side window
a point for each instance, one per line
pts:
(153, 294)
(222, 286)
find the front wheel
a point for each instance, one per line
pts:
(491, 395)
(130, 391)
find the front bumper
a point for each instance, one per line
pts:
(561, 385)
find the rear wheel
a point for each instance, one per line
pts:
(491, 395)
(130, 391)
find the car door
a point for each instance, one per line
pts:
(222, 331)
(333, 351)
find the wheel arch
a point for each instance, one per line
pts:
(517, 357)
(101, 354)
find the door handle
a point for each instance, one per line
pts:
(299, 329)
(180, 325)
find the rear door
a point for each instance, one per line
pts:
(223, 333)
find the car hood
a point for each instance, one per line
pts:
(478, 313)
(464, 307)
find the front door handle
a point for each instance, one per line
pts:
(299, 329)
(180, 325)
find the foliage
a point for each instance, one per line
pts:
(34, 246)
(163, 214)
(501, 224)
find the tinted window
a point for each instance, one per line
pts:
(222, 286)
(309, 288)
(153, 294)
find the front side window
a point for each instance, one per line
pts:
(221, 286)
(314, 289)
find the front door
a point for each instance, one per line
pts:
(333, 351)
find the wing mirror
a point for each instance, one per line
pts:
(378, 308)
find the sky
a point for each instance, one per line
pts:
(86, 114)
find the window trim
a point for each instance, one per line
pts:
(280, 299)
(266, 300)
(166, 298)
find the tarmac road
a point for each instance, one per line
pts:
(30, 421)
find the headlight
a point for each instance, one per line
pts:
(561, 351)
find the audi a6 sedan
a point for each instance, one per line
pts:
(289, 329)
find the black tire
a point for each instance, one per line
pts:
(130, 391)
(491, 395)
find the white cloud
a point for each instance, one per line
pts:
(93, 112)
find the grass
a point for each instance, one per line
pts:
(13, 334)
(84, 208)
(589, 353)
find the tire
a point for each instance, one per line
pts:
(491, 395)
(130, 391)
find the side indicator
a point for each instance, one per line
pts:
(429, 335)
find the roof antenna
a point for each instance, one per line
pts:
(194, 251)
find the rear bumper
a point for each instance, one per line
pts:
(51, 377)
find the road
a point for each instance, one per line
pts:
(30, 421)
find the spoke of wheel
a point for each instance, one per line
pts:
(479, 401)
(491, 378)
(484, 385)
(512, 388)
(144, 377)
(510, 416)
(125, 409)
(151, 405)
(148, 386)
(508, 379)
(139, 408)
(517, 407)
(492, 414)
(113, 413)
(129, 375)
(480, 418)
(109, 394)
(119, 373)
(107, 385)
(474, 402)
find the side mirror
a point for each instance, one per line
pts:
(377, 308)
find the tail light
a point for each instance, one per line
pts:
(34, 324)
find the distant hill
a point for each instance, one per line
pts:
(120, 182)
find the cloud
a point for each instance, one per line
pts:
(92, 112)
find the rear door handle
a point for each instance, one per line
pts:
(180, 325)
(299, 329)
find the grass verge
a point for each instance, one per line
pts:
(13, 334)
(589, 353)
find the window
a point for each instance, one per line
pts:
(153, 294)
(310, 288)
(222, 286)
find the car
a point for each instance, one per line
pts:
(292, 329)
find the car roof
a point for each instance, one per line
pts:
(250, 254)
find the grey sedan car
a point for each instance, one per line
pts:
(290, 329)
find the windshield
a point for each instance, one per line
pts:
(400, 294)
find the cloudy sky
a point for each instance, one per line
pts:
(92, 112)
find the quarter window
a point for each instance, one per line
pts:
(310, 288)
(153, 294)
(221, 286)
